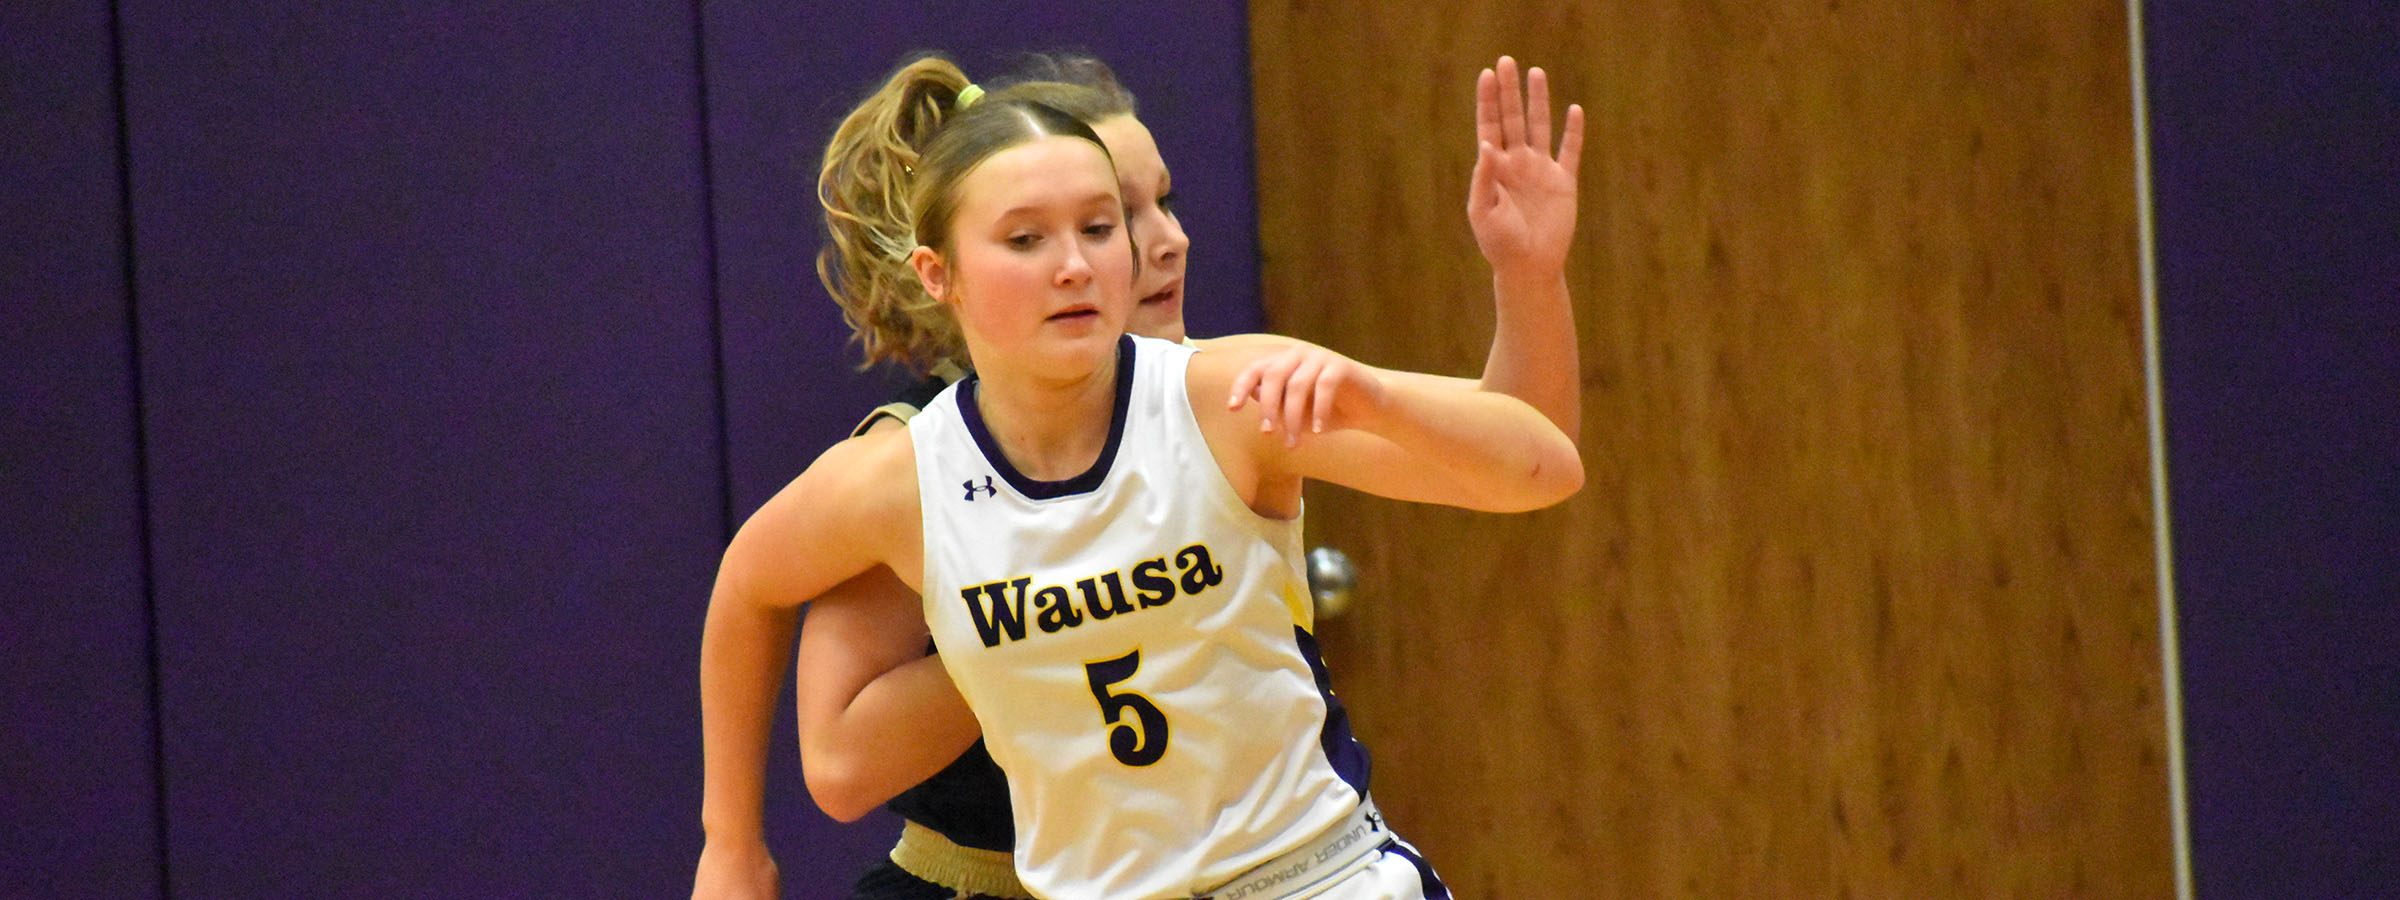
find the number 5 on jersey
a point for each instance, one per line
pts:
(1142, 741)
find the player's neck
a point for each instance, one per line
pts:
(1051, 429)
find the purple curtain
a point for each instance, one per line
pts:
(383, 383)
(2275, 138)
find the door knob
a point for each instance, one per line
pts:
(1331, 581)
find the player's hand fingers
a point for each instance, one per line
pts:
(1537, 109)
(1329, 397)
(1512, 105)
(1299, 397)
(1487, 107)
(1570, 145)
(1274, 378)
(1482, 186)
(1243, 382)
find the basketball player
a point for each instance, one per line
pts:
(1275, 367)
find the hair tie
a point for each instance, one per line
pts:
(967, 96)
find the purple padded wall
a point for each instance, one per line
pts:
(780, 76)
(430, 389)
(2276, 139)
(427, 417)
(78, 800)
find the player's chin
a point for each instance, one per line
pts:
(1159, 315)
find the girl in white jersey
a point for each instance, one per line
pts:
(1157, 706)
(871, 734)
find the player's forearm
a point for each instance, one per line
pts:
(743, 648)
(1534, 355)
(1499, 453)
(904, 727)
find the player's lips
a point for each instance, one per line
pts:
(1172, 291)
(1075, 314)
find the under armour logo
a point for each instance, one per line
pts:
(1375, 819)
(987, 488)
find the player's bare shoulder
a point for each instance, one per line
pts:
(1219, 359)
(853, 508)
(1208, 379)
(1234, 439)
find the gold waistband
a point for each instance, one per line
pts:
(925, 853)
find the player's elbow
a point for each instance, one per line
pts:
(843, 798)
(1554, 478)
(844, 813)
(1561, 476)
(1551, 477)
(839, 788)
(1553, 466)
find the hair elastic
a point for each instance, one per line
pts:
(968, 95)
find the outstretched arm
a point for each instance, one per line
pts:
(1521, 204)
(1277, 414)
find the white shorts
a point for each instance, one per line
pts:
(1396, 873)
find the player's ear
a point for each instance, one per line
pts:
(932, 273)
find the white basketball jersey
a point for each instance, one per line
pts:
(1135, 644)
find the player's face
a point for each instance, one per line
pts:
(1041, 264)
(1148, 189)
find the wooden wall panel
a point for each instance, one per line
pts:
(1859, 600)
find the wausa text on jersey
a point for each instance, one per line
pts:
(1000, 613)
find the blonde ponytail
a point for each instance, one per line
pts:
(864, 187)
(890, 184)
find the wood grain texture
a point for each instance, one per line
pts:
(1858, 601)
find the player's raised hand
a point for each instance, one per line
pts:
(1521, 200)
(1307, 389)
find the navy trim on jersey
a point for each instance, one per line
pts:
(1348, 756)
(1034, 489)
(1434, 889)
